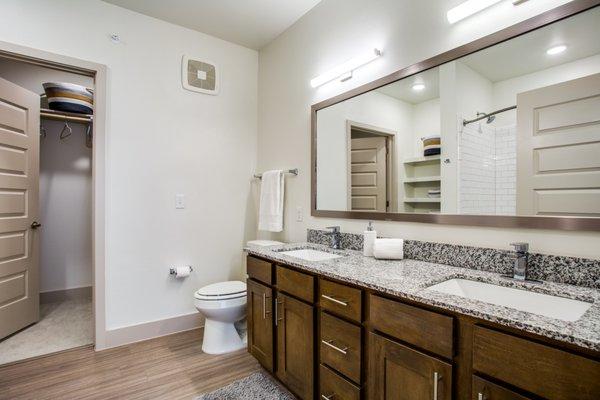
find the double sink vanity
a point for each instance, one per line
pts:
(333, 324)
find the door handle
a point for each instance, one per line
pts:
(35, 225)
(277, 319)
(436, 378)
(264, 299)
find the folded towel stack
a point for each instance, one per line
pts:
(431, 145)
(388, 249)
(434, 193)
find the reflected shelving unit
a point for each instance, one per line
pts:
(421, 174)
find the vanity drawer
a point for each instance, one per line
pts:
(340, 299)
(259, 269)
(296, 283)
(334, 387)
(340, 346)
(536, 368)
(425, 329)
(484, 390)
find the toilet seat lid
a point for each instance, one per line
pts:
(220, 290)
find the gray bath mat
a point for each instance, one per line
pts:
(258, 386)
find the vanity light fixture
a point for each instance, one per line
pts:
(556, 49)
(468, 8)
(344, 71)
(417, 87)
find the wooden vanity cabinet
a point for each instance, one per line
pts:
(295, 345)
(260, 323)
(484, 390)
(398, 372)
(356, 343)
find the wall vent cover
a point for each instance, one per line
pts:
(199, 76)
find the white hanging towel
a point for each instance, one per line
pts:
(270, 214)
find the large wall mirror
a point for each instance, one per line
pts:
(508, 135)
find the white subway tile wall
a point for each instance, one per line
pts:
(487, 170)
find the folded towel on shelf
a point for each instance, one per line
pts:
(434, 193)
(431, 145)
(270, 215)
(388, 249)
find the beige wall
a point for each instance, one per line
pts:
(408, 32)
(161, 140)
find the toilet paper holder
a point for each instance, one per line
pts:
(173, 271)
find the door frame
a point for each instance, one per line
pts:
(391, 167)
(99, 193)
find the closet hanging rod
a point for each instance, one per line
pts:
(483, 116)
(64, 116)
(293, 171)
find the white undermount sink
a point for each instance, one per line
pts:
(310, 254)
(535, 303)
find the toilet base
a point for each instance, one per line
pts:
(221, 337)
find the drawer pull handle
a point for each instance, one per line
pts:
(265, 312)
(436, 378)
(330, 397)
(340, 302)
(329, 343)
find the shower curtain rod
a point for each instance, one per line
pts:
(470, 121)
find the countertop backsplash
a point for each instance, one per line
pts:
(560, 269)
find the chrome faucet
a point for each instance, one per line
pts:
(336, 237)
(520, 270)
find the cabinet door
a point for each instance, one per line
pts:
(295, 345)
(260, 323)
(484, 390)
(401, 373)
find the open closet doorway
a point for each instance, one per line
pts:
(47, 208)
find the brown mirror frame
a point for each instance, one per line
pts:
(498, 221)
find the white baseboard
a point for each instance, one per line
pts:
(149, 330)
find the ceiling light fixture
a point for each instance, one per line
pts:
(468, 8)
(417, 87)
(344, 71)
(556, 49)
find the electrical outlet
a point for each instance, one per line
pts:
(299, 214)
(179, 201)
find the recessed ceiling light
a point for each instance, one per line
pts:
(556, 49)
(417, 87)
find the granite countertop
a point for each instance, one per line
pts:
(410, 279)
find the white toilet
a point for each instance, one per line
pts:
(223, 304)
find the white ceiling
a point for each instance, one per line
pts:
(402, 89)
(527, 54)
(250, 23)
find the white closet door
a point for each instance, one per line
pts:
(558, 149)
(19, 175)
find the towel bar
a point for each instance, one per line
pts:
(293, 171)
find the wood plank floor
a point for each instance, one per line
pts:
(171, 367)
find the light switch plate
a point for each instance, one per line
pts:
(299, 214)
(179, 201)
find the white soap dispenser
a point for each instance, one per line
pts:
(369, 237)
